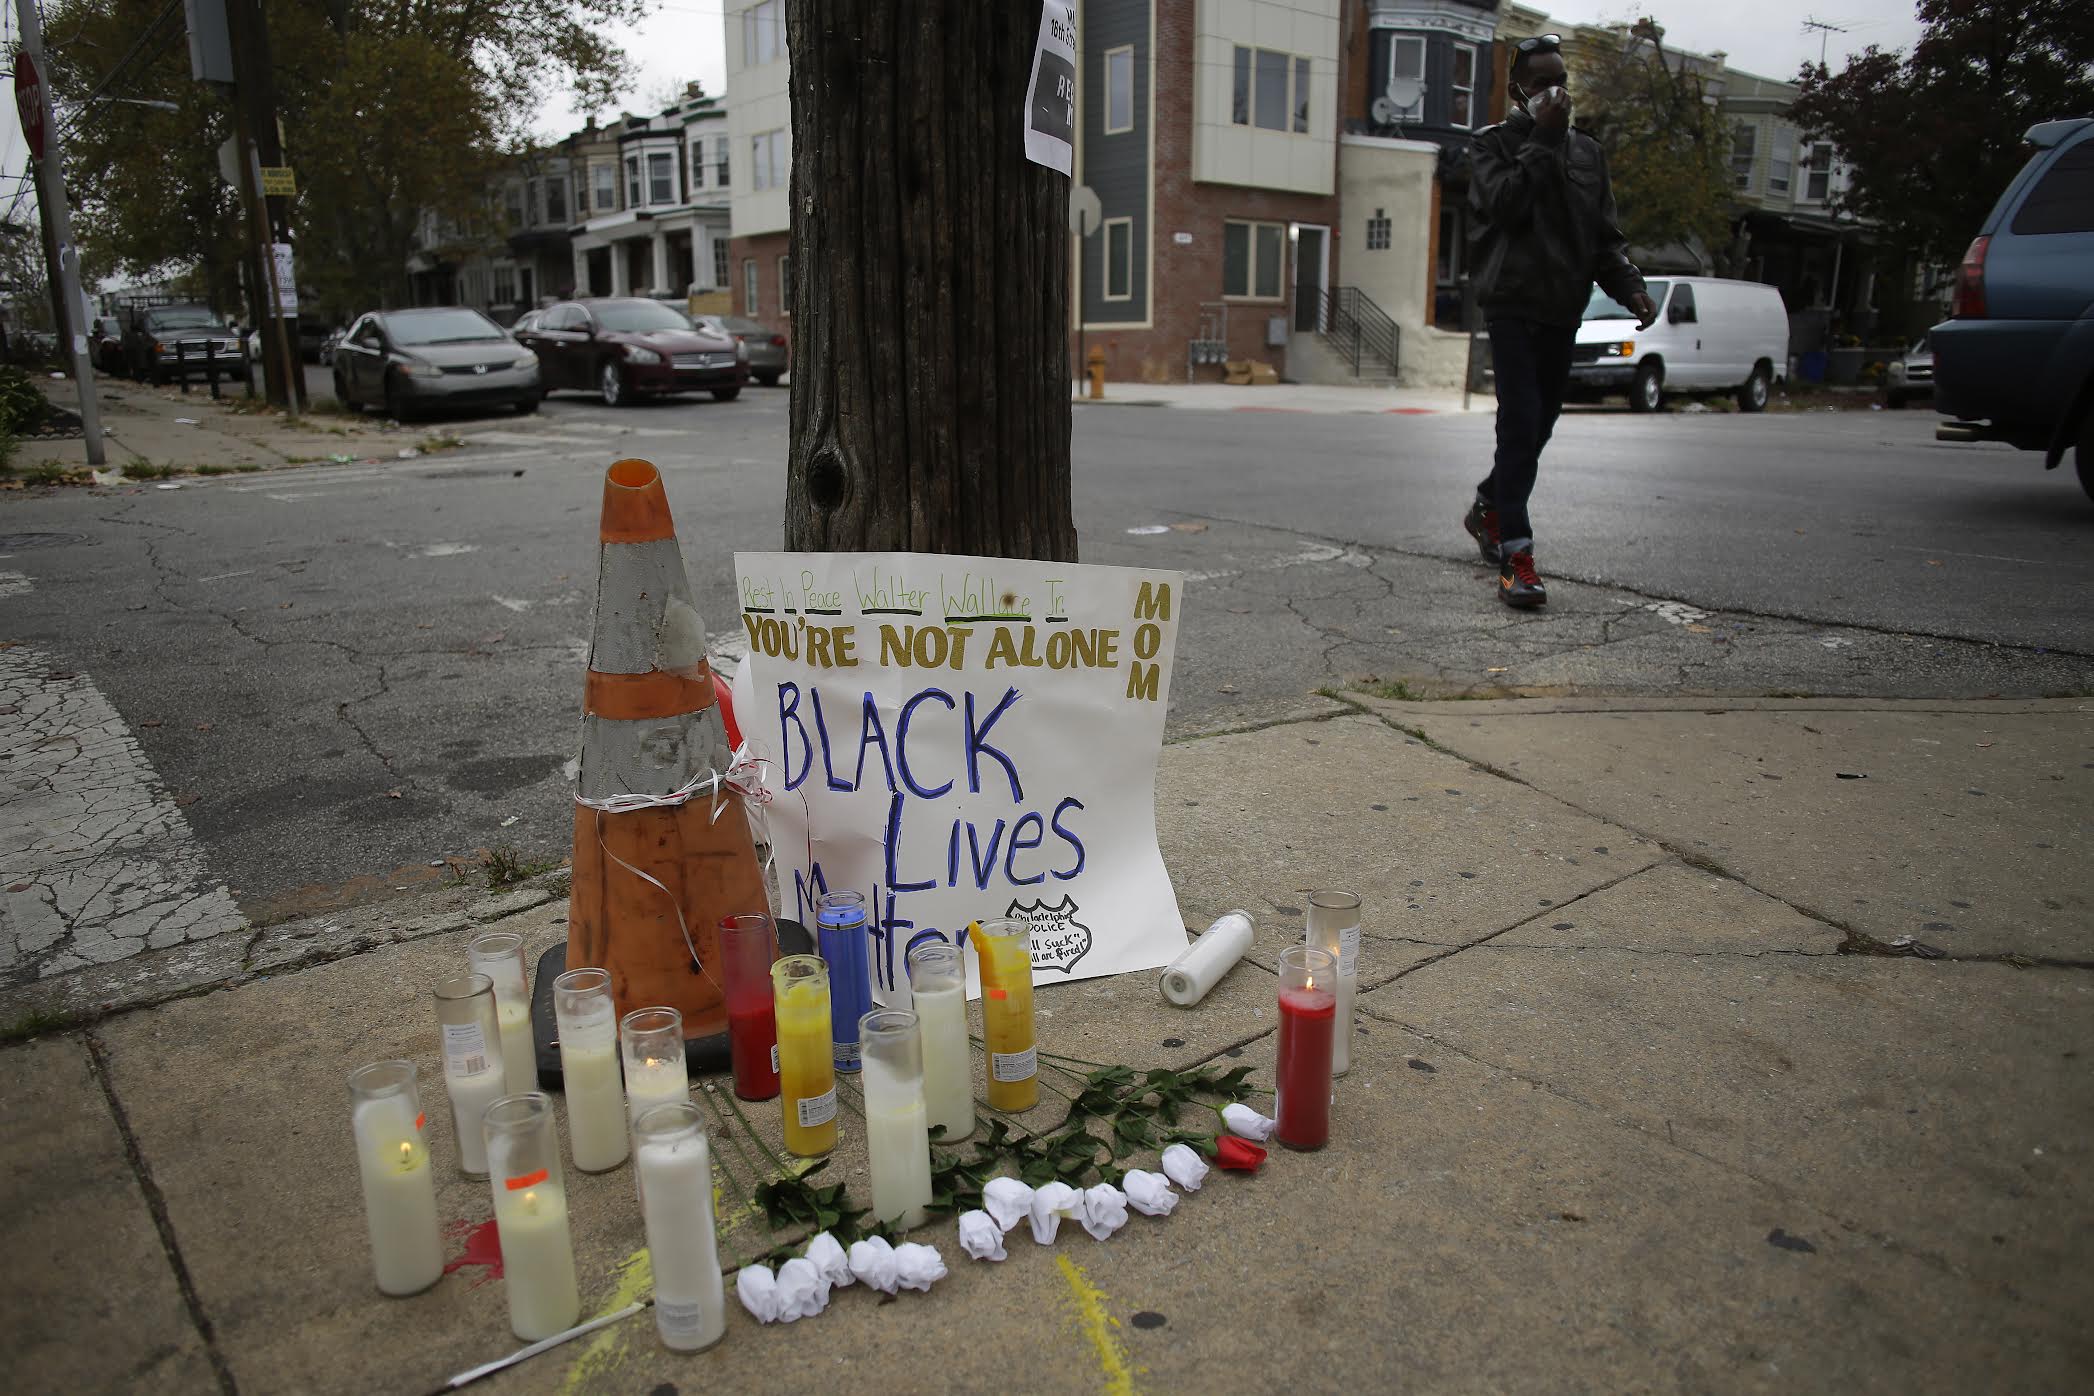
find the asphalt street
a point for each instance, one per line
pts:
(347, 674)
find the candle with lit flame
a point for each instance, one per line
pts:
(399, 1185)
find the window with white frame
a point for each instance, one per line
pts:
(1119, 90)
(504, 292)
(1461, 88)
(1407, 71)
(556, 199)
(697, 152)
(1744, 145)
(721, 274)
(749, 285)
(785, 285)
(1817, 181)
(1378, 229)
(632, 182)
(1252, 254)
(720, 147)
(767, 160)
(763, 33)
(606, 197)
(1271, 90)
(534, 201)
(513, 203)
(1781, 164)
(1119, 259)
(661, 178)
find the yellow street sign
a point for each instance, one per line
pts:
(277, 179)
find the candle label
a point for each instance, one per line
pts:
(465, 1049)
(679, 1320)
(528, 1180)
(1015, 1066)
(774, 1067)
(817, 1109)
(1349, 952)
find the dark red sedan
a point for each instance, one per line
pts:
(627, 347)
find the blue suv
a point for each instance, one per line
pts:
(2016, 361)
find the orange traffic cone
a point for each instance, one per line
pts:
(661, 848)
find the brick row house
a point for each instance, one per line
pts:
(637, 206)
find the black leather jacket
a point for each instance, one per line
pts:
(1543, 227)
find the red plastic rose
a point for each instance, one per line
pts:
(1239, 1154)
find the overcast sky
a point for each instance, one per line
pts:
(683, 40)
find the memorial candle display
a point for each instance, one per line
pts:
(748, 945)
(938, 983)
(673, 1160)
(1003, 950)
(399, 1185)
(896, 1134)
(588, 1023)
(1302, 1074)
(530, 1216)
(840, 924)
(1334, 928)
(651, 1042)
(473, 1074)
(500, 956)
(806, 1060)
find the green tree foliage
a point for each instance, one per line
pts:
(1933, 137)
(1666, 143)
(394, 112)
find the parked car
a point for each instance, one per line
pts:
(448, 356)
(1910, 375)
(329, 344)
(1711, 336)
(173, 341)
(2015, 362)
(768, 359)
(527, 321)
(105, 345)
(626, 347)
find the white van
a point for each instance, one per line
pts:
(1711, 336)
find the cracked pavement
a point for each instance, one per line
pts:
(348, 680)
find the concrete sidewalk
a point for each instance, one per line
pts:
(1286, 397)
(1705, 1045)
(167, 429)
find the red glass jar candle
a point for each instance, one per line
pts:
(748, 945)
(1308, 1023)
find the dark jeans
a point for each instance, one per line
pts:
(1532, 362)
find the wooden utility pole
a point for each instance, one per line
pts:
(930, 286)
(268, 216)
(33, 99)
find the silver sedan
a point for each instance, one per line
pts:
(769, 356)
(409, 360)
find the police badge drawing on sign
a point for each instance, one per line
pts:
(961, 739)
(1050, 98)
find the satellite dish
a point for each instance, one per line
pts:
(1406, 94)
(1384, 111)
(1085, 210)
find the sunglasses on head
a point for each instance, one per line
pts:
(1540, 43)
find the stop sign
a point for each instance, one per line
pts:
(29, 100)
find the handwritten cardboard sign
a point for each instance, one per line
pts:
(961, 738)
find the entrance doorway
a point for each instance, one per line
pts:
(1312, 274)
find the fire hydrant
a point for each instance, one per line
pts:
(1094, 368)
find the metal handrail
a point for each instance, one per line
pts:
(1360, 330)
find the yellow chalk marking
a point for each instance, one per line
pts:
(608, 1349)
(1100, 1328)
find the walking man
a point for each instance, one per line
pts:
(1544, 232)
